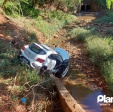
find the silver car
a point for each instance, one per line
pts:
(39, 56)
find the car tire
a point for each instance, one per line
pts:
(42, 69)
(58, 75)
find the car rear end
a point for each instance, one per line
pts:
(33, 55)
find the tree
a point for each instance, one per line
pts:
(109, 4)
(4, 3)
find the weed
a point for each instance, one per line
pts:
(107, 70)
(79, 33)
(107, 18)
(32, 37)
(27, 75)
(109, 31)
(98, 48)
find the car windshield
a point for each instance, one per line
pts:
(36, 49)
(57, 58)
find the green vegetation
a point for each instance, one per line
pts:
(109, 4)
(100, 49)
(48, 22)
(57, 20)
(108, 18)
(81, 34)
(10, 65)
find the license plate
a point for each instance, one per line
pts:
(25, 60)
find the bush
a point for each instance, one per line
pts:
(27, 75)
(12, 8)
(79, 33)
(107, 71)
(101, 53)
(1, 1)
(107, 18)
(109, 31)
(98, 48)
(57, 20)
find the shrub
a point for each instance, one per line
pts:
(98, 48)
(107, 71)
(12, 8)
(57, 20)
(79, 33)
(109, 31)
(27, 75)
(1, 1)
(107, 18)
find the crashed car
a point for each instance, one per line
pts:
(40, 56)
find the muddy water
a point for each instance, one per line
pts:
(86, 97)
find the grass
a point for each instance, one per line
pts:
(110, 31)
(80, 33)
(100, 49)
(47, 22)
(107, 70)
(107, 18)
(54, 21)
(1, 1)
(10, 66)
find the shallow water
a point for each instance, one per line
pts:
(86, 97)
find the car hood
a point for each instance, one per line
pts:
(64, 54)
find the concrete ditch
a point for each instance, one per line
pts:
(68, 103)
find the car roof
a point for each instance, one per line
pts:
(47, 49)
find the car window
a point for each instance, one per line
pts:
(37, 49)
(52, 56)
(57, 58)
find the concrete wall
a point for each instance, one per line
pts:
(67, 101)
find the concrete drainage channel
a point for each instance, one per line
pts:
(67, 101)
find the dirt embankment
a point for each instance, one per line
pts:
(15, 33)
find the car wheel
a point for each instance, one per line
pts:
(42, 69)
(58, 75)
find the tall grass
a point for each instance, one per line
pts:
(100, 50)
(57, 20)
(80, 33)
(47, 22)
(107, 70)
(7, 53)
(1, 1)
(101, 53)
(107, 18)
(10, 65)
